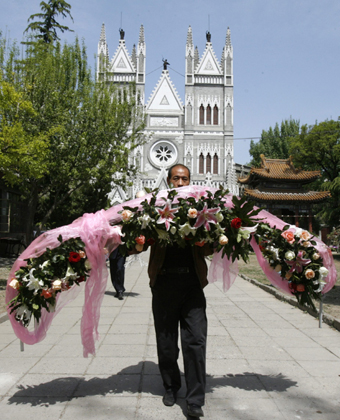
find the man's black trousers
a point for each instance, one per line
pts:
(178, 299)
(117, 270)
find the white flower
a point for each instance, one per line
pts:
(44, 264)
(126, 215)
(185, 229)
(323, 271)
(219, 217)
(70, 274)
(192, 213)
(23, 313)
(298, 232)
(14, 284)
(87, 265)
(162, 234)
(289, 255)
(56, 285)
(223, 240)
(145, 220)
(173, 229)
(33, 283)
(316, 256)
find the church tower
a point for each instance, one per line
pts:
(208, 137)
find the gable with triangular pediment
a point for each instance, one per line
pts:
(209, 64)
(121, 62)
(164, 97)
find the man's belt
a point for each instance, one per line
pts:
(175, 270)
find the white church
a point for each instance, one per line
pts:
(198, 133)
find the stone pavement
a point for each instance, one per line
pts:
(266, 360)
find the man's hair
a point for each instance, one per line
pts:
(175, 166)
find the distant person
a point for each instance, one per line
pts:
(117, 272)
(117, 266)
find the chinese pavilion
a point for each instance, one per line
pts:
(279, 187)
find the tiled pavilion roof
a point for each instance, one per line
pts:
(287, 195)
(279, 170)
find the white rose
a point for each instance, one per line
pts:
(14, 284)
(219, 217)
(173, 229)
(289, 255)
(323, 271)
(298, 232)
(126, 215)
(223, 240)
(56, 285)
(192, 213)
(316, 256)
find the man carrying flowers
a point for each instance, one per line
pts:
(177, 278)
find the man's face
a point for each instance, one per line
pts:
(179, 177)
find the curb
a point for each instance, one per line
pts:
(327, 319)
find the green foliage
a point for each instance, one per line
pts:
(46, 28)
(274, 142)
(23, 152)
(90, 129)
(318, 148)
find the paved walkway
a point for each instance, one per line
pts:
(266, 360)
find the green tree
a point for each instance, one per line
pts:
(318, 148)
(23, 154)
(46, 28)
(274, 142)
(95, 126)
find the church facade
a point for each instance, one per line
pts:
(197, 131)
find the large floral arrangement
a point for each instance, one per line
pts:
(39, 282)
(291, 252)
(199, 218)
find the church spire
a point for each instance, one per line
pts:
(227, 60)
(227, 39)
(190, 43)
(196, 57)
(134, 56)
(141, 35)
(102, 52)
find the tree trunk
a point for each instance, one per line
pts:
(32, 206)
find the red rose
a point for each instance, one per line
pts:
(200, 243)
(81, 279)
(292, 286)
(150, 241)
(187, 239)
(236, 223)
(300, 288)
(74, 257)
(140, 240)
(46, 294)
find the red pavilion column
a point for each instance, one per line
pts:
(310, 220)
(296, 217)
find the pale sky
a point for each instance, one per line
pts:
(286, 52)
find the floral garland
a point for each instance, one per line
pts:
(39, 282)
(198, 219)
(292, 253)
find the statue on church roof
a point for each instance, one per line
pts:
(208, 35)
(165, 64)
(122, 33)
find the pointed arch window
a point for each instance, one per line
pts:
(215, 115)
(208, 114)
(215, 164)
(201, 164)
(202, 114)
(208, 163)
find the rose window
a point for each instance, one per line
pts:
(163, 154)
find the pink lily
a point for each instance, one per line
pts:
(298, 264)
(197, 195)
(206, 216)
(167, 215)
